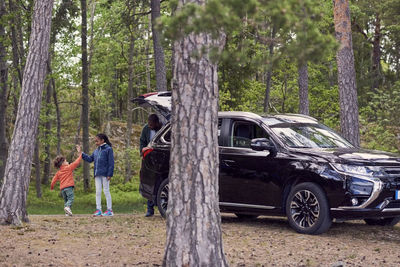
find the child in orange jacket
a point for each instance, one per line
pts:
(64, 175)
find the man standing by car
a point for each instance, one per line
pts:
(148, 132)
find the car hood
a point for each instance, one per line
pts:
(160, 101)
(353, 156)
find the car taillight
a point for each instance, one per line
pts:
(146, 151)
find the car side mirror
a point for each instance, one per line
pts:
(261, 144)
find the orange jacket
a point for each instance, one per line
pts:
(64, 175)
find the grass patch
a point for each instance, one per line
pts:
(125, 199)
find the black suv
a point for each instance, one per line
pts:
(285, 165)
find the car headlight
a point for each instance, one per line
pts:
(368, 171)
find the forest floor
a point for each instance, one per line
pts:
(133, 240)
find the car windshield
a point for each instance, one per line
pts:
(309, 135)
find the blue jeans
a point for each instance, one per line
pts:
(150, 206)
(68, 195)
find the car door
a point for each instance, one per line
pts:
(246, 175)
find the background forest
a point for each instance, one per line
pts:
(272, 49)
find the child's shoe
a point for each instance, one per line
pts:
(68, 211)
(108, 213)
(97, 213)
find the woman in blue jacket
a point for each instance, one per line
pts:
(103, 158)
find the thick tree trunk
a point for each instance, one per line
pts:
(128, 168)
(3, 93)
(349, 121)
(303, 89)
(19, 162)
(193, 225)
(161, 80)
(36, 160)
(85, 95)
(269, 73)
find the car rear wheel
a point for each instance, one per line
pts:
(383, 221)
(246, 216)
(307, 209)
(162, 197)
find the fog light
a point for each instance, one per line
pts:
(354, 201)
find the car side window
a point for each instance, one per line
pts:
(167, 136)
(243, 132)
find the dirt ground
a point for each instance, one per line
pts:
(133, 240)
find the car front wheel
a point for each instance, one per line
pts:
(307, 209)
(162, 197)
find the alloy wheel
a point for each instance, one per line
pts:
(304, 209)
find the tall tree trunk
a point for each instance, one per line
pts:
(193, 225)
(161, 79)
(36, 160)
(269, 73)
(19, 162)
(128, 169)
(58, 116)
(376, 54)
(3, 93)
(303, 89)
(16, 50)
(47, 128)
(85, 95)
(349, 121)
(91, 40)
(148, 73)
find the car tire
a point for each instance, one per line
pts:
(246, 216)
(307, 209)
(162, 197)
(383, 221)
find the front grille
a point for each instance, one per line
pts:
(392, 177)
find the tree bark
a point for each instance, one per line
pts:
(161, 80)
(85, 95)
(18, 168)
(36, 160)
(303, 89)
(349, 120)
(3, 93)
(193, 225)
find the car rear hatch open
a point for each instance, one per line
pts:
(160, 101)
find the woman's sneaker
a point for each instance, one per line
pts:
(97, 213)
(108, 213)
(68, 211)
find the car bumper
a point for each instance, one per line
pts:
(385, 210)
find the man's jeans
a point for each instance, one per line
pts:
(68, 195)
(150, 206)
